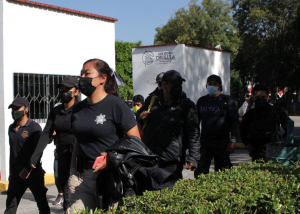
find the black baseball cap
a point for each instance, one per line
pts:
(172, 76)
(159, 77)
(69, 82)
(215, 78)
(19, 102)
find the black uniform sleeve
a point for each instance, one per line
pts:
(36, 133)
(192, 133)
(123, 116)
(143, 108)
(44, 139)
(244, 127)
(233, 117)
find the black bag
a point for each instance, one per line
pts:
(129, 154)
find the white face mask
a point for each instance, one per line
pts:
(212, 90)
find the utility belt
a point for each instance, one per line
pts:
(62, 148)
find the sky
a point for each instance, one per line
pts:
(137, 19)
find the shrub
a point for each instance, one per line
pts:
(248, 188)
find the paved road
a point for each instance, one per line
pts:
(28, 205)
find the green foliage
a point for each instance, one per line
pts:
(269, 31)
(209, 24)
(236, 86)
(248, 188)
(124, 66)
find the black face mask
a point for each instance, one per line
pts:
(176, 91)
(85, 86)
(17, 115)
(261, 103)
(65, 96)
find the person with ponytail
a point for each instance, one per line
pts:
(97, 122)
(59, 122)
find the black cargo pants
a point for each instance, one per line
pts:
(18, 186)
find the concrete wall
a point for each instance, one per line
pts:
(147, 63)
(43, 41)
(3, 135)
(195, 65)
(201, 63)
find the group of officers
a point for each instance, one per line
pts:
(169, 123)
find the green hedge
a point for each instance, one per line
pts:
(248, 188)
(124, 66)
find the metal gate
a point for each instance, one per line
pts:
(40, 91)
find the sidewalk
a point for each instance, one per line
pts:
(28, 204)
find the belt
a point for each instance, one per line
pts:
(84, 164)
(63, 146)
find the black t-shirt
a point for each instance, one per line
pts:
(22, 144)
(59, 120)
(98, 126)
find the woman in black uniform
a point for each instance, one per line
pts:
(97, 122)
(59, 120)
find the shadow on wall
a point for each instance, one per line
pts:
(201, 63)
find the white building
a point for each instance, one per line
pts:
(39, 45)
(194, 62)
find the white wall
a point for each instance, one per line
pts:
(201, 63)
(144, 74)
(195, 65)
(2, 107)
(48, 42)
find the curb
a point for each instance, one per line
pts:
(49, 179)
(3, 186)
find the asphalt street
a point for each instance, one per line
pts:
(28, 204)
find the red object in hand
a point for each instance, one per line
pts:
(98, 161)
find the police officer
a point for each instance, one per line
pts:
(24, 134)
(261, 125)
(59, 120)
(219, 116)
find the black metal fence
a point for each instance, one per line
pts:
(40, 91)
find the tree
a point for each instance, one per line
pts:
(236, 86)
(124, 66)
(268, 53)
(208, 24)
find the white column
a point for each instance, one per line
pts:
(3, 131)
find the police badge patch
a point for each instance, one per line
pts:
(24, 134)
(100, 119)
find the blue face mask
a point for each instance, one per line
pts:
(212, 90)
